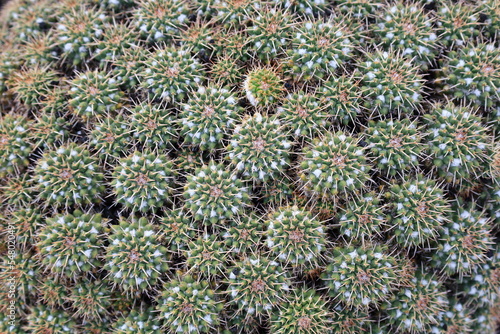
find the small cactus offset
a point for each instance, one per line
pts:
(250, 166)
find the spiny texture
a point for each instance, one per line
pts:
(69, 175)
(333, 165)
(189, 306)
(407, 28)
(259, 148)
(209, 116)
(152, 126)
(472, 74)
(72, 244)
(395, 145)
(304, 114)
(390, 82)
(362, 218)
(463, 242)
(294, 236)
(15, 146)
(214, 193)
(417, 308)
(263, 87)
(143, 181)
(305, 312)
(361, 276)
(256, 284)
(418, 210)
(329, 39)
(140, 320)
(249, 166)
(170, 74)
(134, 258)
(458, 142)
(94, 94)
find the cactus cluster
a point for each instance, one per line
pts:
(250, 166)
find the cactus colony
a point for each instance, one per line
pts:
(250, 166)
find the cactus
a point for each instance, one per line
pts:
(189, 306)
(256, 284)
(93, 94)
(15, 146)
(306, 312)
(259, 148)
(143, 181)
(68, 175)
(90, 299)
(49, 131)
(390, 82)
(225, 72)
(362, 9)
(28, 222)
(243, 234)
(152, 126)
(43, 319)
(464, 241)
(330, 39)
(362, 218)
(40, 51)
(128, 68)
(209, 116)
(30, 83)
(469, 74)
(205, 256)
(159, 20)
(110, 137)
(395, 145)
(18, 191)
(458, 142)
(249, 166)
(115, 40)
(418, 211)
(269, 32)
(54, 291)
(232, 43)
(135, 260)
(457, 23)
(342, 96)
(349, 320)
(263, 87)
(170, 73)
(197, 37)
(72, 244)
(214, 194)
(295, 237)
(418, 308)
(303, 114)
(333, 165)
(177, 228)
(361, 276)
(409, 29)
(76, 30)
(140, 320)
